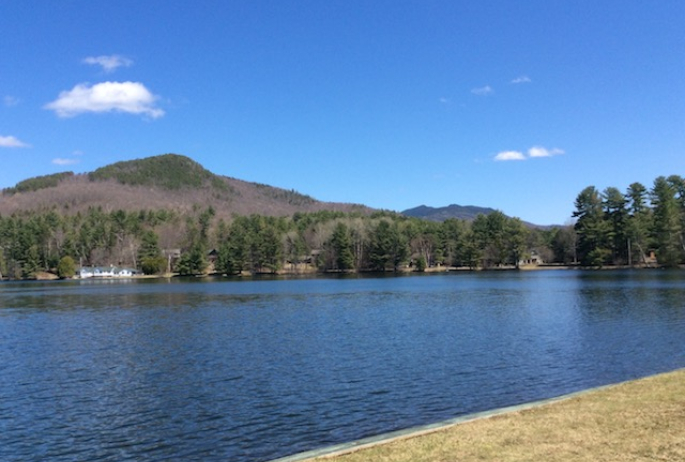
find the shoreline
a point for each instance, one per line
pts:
(48, 276)
(606, 416)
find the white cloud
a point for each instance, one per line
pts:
(533, 153)
(10, 101)
(539, 151)
(108, 63)
(129, 97)
(63, 161)
(483, 91)
(12, 142)
(510, 155)
(522, 79)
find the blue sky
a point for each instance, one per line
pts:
(512, 105)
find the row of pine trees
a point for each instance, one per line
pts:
(616, 228)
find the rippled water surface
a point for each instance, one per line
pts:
(254, 370)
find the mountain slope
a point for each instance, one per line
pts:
(168, 181)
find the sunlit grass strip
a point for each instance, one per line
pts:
(632, 421)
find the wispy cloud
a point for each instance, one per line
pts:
(64, 161)
(521, 79)
(10, 101)
(509, 155)
(12, 142)
(68, 160)
(483, 91)
(108, 63)
(534, 152)
(128, 97)
(539, 151)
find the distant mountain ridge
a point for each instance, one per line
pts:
(168, 181)
(176, 182)
(461, 212)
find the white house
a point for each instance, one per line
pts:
(105, 272)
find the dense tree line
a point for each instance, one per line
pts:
(615, 228)
(332, 241)
(321, 241)
(611, 228)
(33, 242)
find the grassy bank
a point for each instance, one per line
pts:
(643, 420)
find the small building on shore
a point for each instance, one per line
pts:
(106, 272)
(534, 259)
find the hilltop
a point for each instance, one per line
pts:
(168, 181)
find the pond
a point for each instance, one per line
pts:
(252, 370)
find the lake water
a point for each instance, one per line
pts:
(224, 370)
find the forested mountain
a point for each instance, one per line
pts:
(460, 212)
(169, 181)
(168, 213)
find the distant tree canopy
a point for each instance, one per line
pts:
(290, 196)
(36, 183)
(179, 172)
